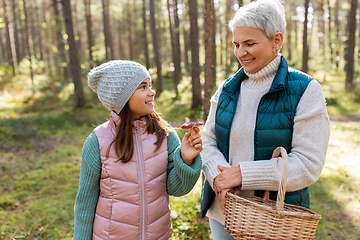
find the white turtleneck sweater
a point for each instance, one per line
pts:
(311, 134)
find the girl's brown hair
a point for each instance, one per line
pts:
(124, 142)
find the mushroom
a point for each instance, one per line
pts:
(191, 125)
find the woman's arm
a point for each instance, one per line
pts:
(181, 178)
(211, 155)
(311, 134)
(89, 189)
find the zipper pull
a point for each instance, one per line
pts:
(134, 129)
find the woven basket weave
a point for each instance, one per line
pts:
(251, 217)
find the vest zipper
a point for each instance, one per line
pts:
(142, 184)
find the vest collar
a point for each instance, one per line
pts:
(280, 77)
(140, 124)
(114, 120)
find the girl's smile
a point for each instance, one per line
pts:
(142, 101)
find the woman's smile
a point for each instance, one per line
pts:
(253, 48)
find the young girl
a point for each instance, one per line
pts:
(133, 162)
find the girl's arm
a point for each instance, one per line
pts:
(181, 178)
(89, 189)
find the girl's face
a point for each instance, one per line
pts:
(253, 48)
(142, 101)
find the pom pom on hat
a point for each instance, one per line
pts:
(116, 81)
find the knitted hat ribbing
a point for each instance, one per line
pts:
(115, 82)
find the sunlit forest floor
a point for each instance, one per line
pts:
(40, 152)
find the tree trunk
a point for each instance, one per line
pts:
(359, 43)
(107, 33)
(59, 69)
(213, 38)
(330, 35)
(322, 30)
(89, 33)
(159, 85)
(60, 42)
(48, 33)
(240, 2)
(221, 45)
(129, 31)
(337, 35)
(186, 49)
(228, 46)
(10, 39)
(137, 34)
(77, 26)
(296, 42)
(350, 47)
(195, 65)
(177, 62)
(106, 29)
(18, 46)
(176, 80)
(305, 57)
(34, 34)
(29, 45)
(37, 21)
(120, 41)
(208, 23)
(73, 55)
(288, 33)
(3, 57)
(144, 36)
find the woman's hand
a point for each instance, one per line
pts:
(229, 178)
(191, 146)
(222, 199)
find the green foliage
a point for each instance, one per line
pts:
(338, 101)
(335, 196)
(186, 216)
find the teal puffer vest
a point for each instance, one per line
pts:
(274, 124)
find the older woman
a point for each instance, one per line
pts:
(264, 105)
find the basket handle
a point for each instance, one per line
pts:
(282, 184)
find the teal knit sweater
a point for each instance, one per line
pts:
(181, 178)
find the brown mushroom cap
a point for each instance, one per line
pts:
(191, 124)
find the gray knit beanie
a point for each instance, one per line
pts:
(115, 82)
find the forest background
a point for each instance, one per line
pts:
(47, 47)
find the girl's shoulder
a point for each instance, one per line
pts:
(172, 135)
(91, 153)
(171, 132)
(91, 140)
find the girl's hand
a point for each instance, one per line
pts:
(191, 146)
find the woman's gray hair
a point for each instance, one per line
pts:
(265, 15)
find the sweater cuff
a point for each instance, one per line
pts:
(211, 170)
(259, 175)
(193, 170)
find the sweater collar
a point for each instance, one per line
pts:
(266, 74)
(232, 84)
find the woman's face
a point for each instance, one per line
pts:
(253, 48)
(142, 101)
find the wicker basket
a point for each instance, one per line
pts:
(250, 217)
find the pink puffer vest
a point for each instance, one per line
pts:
(133, 202)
